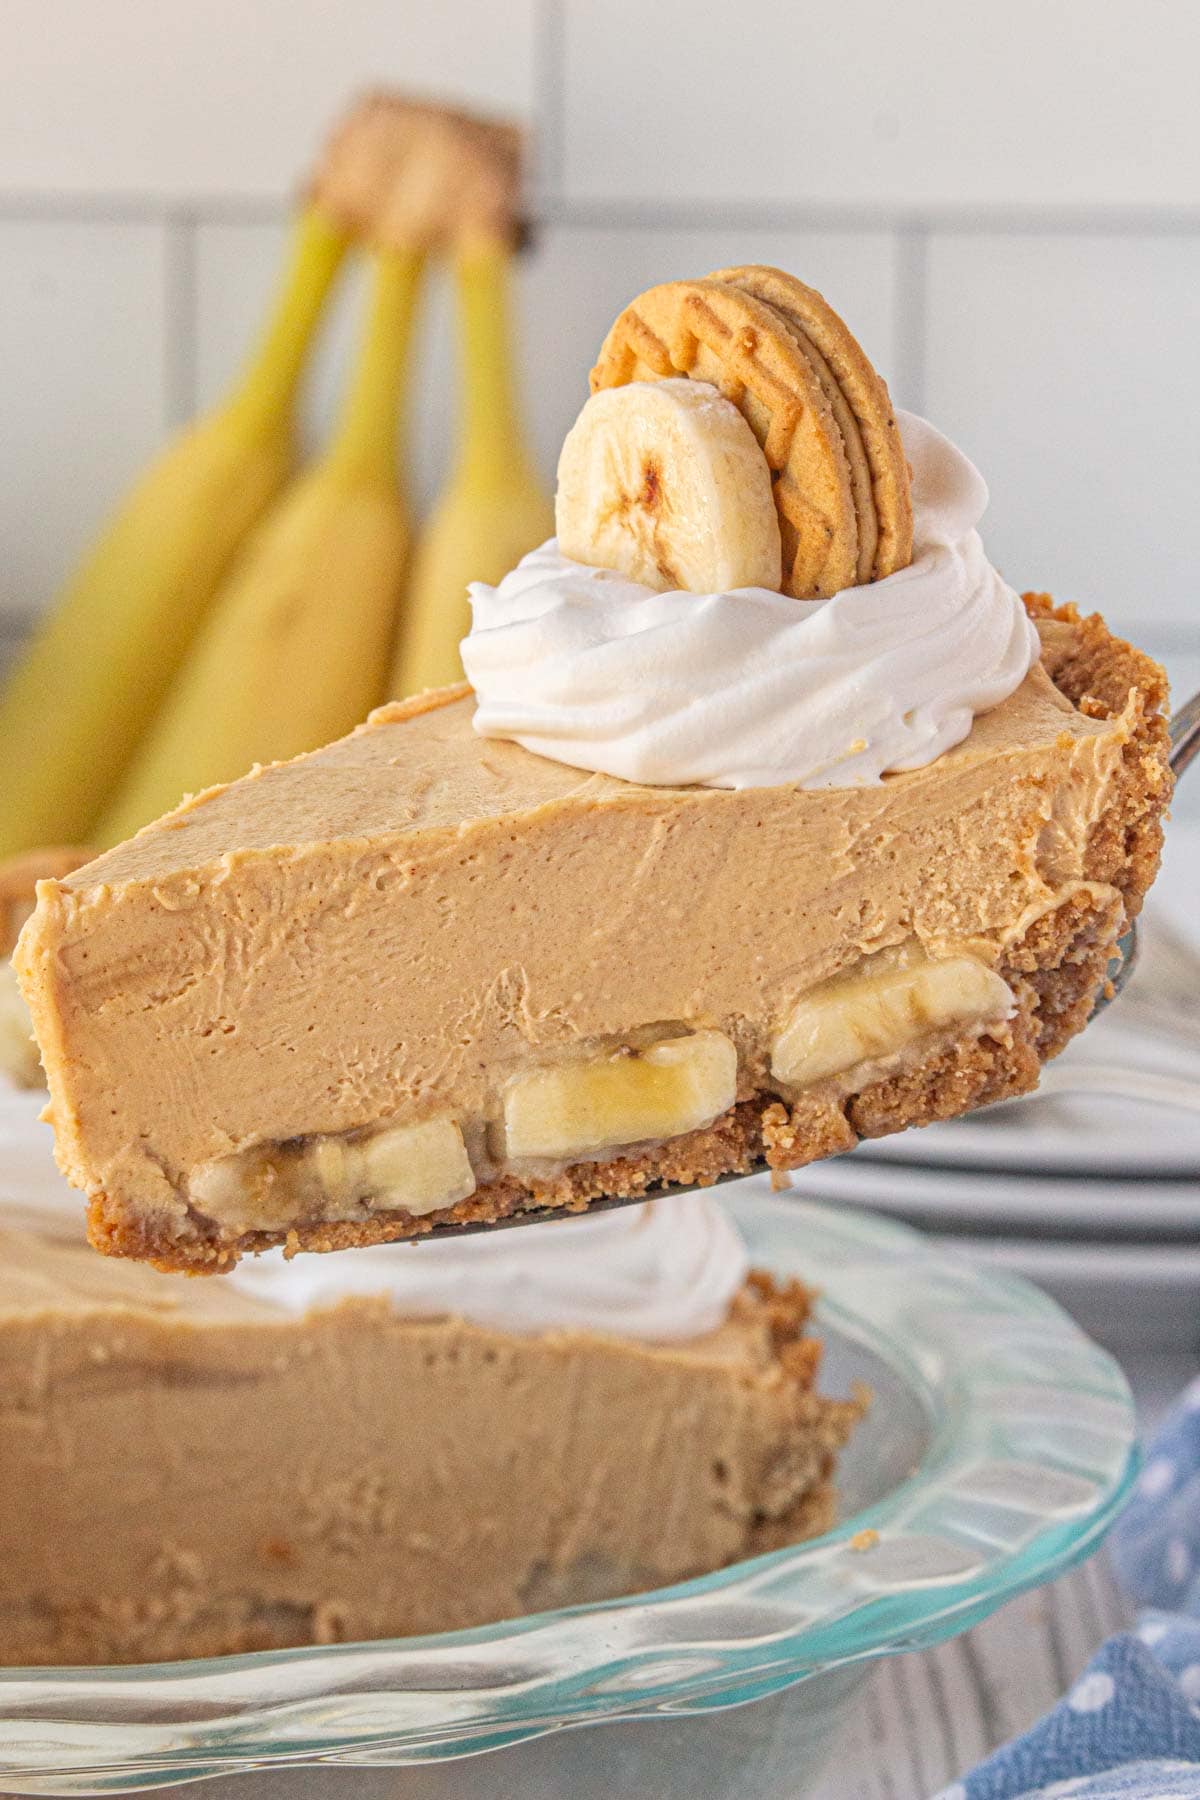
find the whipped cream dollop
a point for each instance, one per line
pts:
(751, 688)
(659, 1273)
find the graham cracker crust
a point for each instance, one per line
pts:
(1056, 971)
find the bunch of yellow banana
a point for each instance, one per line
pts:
(494, 508)
(295, 647)
(224, 619)
(93, 676)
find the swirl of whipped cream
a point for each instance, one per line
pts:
(661, 1272)
(751, 688)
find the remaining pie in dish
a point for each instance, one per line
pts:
(689, 882)
(277, 1474)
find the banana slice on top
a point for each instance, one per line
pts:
(665, 482)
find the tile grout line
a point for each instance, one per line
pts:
(910, 325)
(555, 209)
(181, 319)
(618, 212)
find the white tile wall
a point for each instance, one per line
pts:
(219, 97)
(83, 386)
(1005, 203)
(1069, 368)
(868, 101)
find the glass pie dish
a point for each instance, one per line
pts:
(998, 1448)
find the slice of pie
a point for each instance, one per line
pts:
(699, 876)
(422, 976)
(275, 1477)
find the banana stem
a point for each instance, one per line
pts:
(491, 446)
(264, 392)
(365, 439)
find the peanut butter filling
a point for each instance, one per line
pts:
(614, 1100)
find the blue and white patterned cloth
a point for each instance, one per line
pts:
(1130, 1726)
